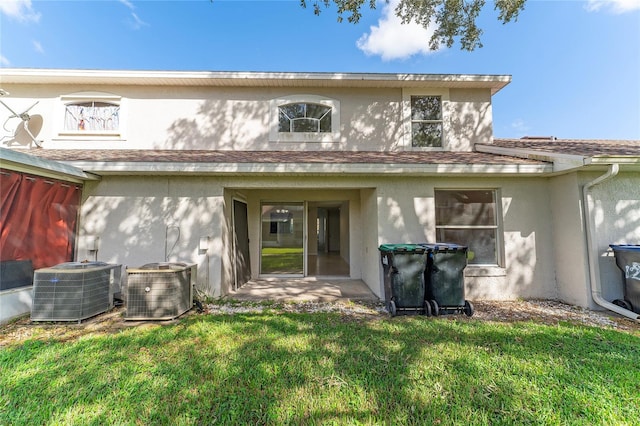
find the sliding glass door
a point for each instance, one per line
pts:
(282, 245)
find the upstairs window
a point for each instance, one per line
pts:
(426, 121)
(470, 218)
(92, 116)
(305, 118)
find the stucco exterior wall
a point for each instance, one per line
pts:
(616, 205)
(142, 220)
(371, 268)
(471, 118)
(137, 220)
(216, 118)
(406, 214)
(569, 240)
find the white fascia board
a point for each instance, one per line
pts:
(21, 162)
(131, 168)
(217, 78)
(561, 162)
(613, 159)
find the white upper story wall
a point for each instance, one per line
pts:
(372, 113)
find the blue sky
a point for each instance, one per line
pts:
(575, 64)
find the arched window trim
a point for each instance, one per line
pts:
(275, 135)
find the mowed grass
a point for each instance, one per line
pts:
(287, 368)
(282, 260)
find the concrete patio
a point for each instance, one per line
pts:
(305, 289)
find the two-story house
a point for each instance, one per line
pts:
(305, 174)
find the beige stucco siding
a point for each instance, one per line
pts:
(569, 243)
(406, 213)
(154, 219)
(470, 117)
(616, 207)
(137, 219)
(217, 118)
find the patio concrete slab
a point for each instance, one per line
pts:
(305, 289)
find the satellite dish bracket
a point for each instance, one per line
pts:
(25, 118)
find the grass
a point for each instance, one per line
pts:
(279, 260)
(322, 368)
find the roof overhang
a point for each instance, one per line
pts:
(310, 169)
(563, 163)
(251, 79)
(25, 163)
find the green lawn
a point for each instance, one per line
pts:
(286, 368)
(282, 260)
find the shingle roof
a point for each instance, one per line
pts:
(275, 157)
(587, 148)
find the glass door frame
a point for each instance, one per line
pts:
(304, 237)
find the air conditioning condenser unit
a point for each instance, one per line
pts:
(73, 291)
(159, 291)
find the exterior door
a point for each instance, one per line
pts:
(241, 243)
(282, 242)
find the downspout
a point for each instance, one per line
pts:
(592, 250)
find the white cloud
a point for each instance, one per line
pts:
(4, 61)
(137, 23)
(37, 46)
(19, 10)
(614, 6)
(391, 39)
(128, 4)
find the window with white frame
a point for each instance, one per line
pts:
(426, 121)
(90, 114)
(470, 217)
(425, 118)
(305, 118)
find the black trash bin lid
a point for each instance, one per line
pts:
(440, 247)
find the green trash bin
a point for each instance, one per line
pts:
(404, 286)
(444, 279)
(628, 261)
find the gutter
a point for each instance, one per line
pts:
(341, 169)
(23, 162)
(594, 269)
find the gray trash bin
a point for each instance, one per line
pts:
(444, 279)
(404, 266)
(628, 261)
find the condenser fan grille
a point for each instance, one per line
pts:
(159, 293)
(72, 294)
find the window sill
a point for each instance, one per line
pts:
(305, 137)
(71, 134)
(428, 148)
(484, 271)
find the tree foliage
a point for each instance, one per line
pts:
(451, 20)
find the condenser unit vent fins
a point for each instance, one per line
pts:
(73, 291)
(159, 291)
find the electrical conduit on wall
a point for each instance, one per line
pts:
(592, 250)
